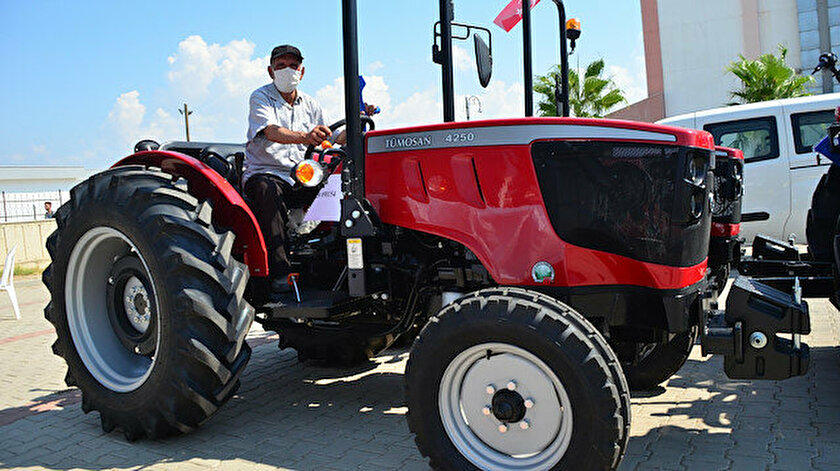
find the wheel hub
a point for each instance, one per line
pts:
(505, 408)
(114, 329)
(508, 406)
(136, 304)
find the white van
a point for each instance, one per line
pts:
(781, 169)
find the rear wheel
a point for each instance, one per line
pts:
(823, 226)
(511, 379)
(823, 215)
(147, 303)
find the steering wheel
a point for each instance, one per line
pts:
(337, 152)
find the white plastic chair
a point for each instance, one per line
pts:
(7, 283)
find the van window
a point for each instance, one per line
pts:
(757, 138)
(810, 128)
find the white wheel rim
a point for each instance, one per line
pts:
(464, 397)
(98, 346)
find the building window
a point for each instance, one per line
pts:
(810, 128)
(758, 138)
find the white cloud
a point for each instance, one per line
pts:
(127, 124)
(498, 100)
(632, 83)
(213, 79)
(216, 79)
(463, 59)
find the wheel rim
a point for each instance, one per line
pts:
(111, 362)
(480, 400)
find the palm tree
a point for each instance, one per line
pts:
(591, 99)
(767, 78)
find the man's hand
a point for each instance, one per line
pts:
(318, 135)
(371, 110)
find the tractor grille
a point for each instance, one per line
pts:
(647, 202)
(729, 190)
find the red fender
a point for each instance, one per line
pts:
(229, 209)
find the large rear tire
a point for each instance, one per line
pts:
(823, 215)
(147, 302)
(506, 378)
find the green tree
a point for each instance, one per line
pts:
(767, 78)
(591, 98)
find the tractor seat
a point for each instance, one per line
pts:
(225, 159)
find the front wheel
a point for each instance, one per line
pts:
(147, 303)
(506, 378)
(659, 362)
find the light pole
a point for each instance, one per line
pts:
(186, 112)
(468, 100)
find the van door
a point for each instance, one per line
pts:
(766, 204)
(805, 128)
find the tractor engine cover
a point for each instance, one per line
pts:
(562, 202)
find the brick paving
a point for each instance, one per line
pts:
(293, 416)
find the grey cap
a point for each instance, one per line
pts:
(286, 49)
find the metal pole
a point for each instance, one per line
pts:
(355, 147)
(447, 15)
(526, 53)
(5, 211)
(467, 100)
(186, 112)
(563, 98)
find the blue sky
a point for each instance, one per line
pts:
(83, 81)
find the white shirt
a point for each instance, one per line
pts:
(267, 107)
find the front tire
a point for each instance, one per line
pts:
(559, 399)
(662, 362)
(147, 303)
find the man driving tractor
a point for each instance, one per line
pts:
(282, 122)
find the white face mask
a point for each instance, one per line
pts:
(286, 80)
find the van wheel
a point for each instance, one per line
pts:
(506, 378)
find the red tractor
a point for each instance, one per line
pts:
(544, 261)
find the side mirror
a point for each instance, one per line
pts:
(483, 61)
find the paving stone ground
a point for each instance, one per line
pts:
(292, 416)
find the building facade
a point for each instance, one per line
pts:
(689, 44)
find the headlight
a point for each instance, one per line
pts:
(698, 166)
(308, 173)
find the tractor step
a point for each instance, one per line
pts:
(746, 332)
(312, 305)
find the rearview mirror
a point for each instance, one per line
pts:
(483, 61)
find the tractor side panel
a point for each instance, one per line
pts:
(229, 209)
(489, 200)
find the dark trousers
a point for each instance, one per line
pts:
(270, 199)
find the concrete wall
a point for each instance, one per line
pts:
(30, 239)
(700, 39)
(814, 36)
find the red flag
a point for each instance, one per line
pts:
(512, 14)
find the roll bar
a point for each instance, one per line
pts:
(354, 177)
(353, 180)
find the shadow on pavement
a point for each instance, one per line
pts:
(302, 416)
